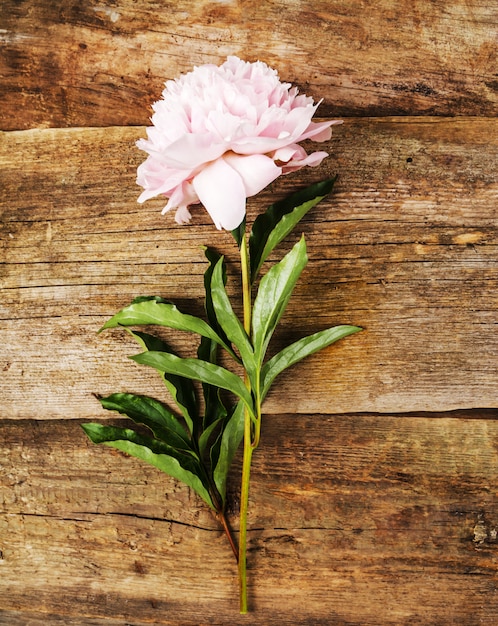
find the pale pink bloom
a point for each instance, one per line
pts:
(221, 135)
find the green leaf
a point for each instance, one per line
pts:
(197, 370)
(207, 434)
(214, 409)
(151, 413)
(238, 232)
(228, 320)
(139, 299)
(155, 311)
(299, 350)
(225, 447)
(275, 290)
(213, 257)
(277, 222)
(150, 342)
(154, 452)
(208, 349)
(181, 389)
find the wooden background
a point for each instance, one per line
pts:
(374, 498)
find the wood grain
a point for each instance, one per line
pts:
(373, 497)
(95, 64)
(406, 247)
(354, 520)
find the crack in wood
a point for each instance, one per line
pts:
(75, 518)
(255, 529)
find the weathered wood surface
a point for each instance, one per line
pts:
(374, 498)
(406, 247)
(98, 64)
(354, 519)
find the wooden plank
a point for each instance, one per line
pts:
(365, 519)
(14, 618)
(406, 247)
(87, 64)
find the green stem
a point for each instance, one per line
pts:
(248, 448)
(246, 284)
(244, 504)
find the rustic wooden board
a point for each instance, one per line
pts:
(95, 64)
(406, 247)
(373, 495)
(354, 519)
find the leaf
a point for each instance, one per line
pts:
(228, 320)
(275, 290)
(139, 299)
(238, 232)
(213, 257)
(224, 449)
(207, 434)
(214, 409)
(156, 311)
(151, 413)
(277, 222)
(208, 349)
(150, 342)
(197, 370)
(181, 389)
(153, 452)
(299, 350)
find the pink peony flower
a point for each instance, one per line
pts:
(222, 134)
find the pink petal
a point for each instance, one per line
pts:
(256, 145)
(182, 196)
(312, 160)
(320, 131)
(221, 190)
(157, 179)
(191, 151)
(288, 153)
(182, 215)
(257, 171)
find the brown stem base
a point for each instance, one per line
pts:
(228, 532)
